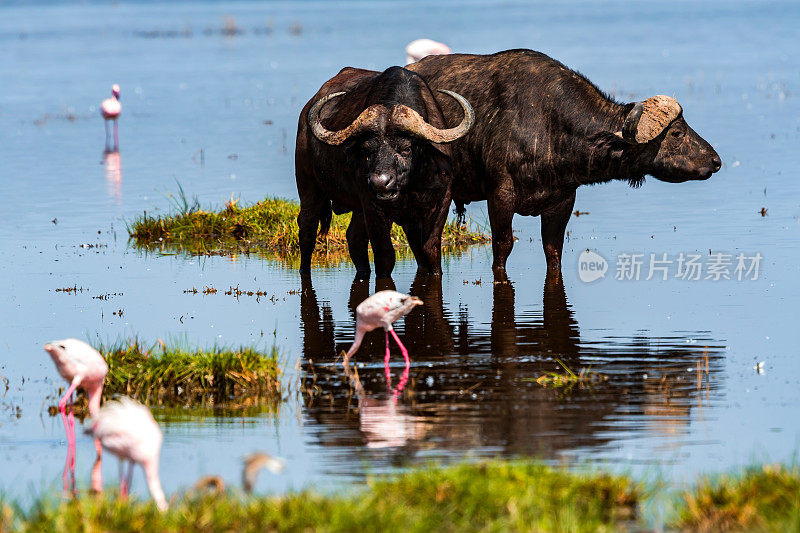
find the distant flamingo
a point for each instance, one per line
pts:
(253, 463)
(82, 366)
(416, 50)
(127, 429)
(379, 311)
(110, 109)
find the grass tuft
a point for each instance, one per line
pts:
(765, 498)
(268, 227)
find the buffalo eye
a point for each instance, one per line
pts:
(405, 151)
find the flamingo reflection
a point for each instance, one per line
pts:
(112, 163)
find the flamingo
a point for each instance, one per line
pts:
(379, 311)
(253, 463)
(82, 366)
(127, 429)
(416, 50)
(110, 109)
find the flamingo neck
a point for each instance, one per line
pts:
(94, 401)
(356, 343)
(154, 484)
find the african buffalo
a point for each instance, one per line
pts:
(542, 130)
(376, 144)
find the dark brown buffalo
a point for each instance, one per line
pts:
(375, 143)
(542, 130)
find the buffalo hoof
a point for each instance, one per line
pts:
(362, 275)
(500, 275)
(385, 284)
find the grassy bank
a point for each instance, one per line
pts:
(268, 227)
(492, 496)
(171, 375)
(489, 496)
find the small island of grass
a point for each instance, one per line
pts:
(268, 227)
(224, 378)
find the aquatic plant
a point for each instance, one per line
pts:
(568, 379)
(267, 227)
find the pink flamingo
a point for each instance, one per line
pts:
(379, 311)
(110, 109)
(127, 429)
(416, 50)
(82, 366)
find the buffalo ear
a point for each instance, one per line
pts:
(649, 118)
(439, 169)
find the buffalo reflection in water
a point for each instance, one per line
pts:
(472, 387)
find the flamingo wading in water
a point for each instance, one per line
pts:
(379, 311)
(127, 429)
(81, 366)
(110, 109)
(416, 50)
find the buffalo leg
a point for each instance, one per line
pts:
(312, 212)
(357, 245)
(432, 246)
(554, 224)
(501, 214)
(414, 237)
(379, 231)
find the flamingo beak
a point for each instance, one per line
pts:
(416, 301)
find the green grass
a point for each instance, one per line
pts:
(213, 379)
(765, 498)
(268, 227)
(497, 495)
(491, 496)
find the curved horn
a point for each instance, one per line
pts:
(366, 119)
(649, 118)
(411, 121)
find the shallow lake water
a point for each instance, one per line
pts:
(217, 113)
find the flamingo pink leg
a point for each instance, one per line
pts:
(387, 356)
(97, 470)
(123, 485)
(71, 420)
(386, 364)
(400, 344)
(69, 427)
(402, 383)
(116, 136)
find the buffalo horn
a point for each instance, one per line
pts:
(408, 119)
(367, 118)
(649, 118)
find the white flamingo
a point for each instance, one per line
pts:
(127, 429)
(416, 50)
(379, 311)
